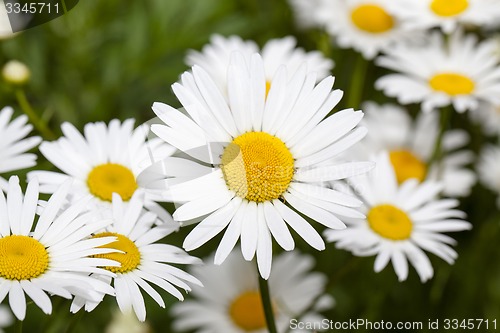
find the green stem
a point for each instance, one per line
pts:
(64, 6)
(39, 124)
(437, 153)
(266, 304)
(19, 326)
(74, 322)
(357, 82)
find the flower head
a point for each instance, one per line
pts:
(53, 258)
(231, 302)
(103, 161)
(255, 162)
(401, 221)
(459, 72)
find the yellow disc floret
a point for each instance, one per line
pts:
(452, 84)
(390, 222)
(406, 165)
(372, 18)
(129, 259)
(247, 312)
(109, 178)
(257, 166)
(22, 258)
(447, 8)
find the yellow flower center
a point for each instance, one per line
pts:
(129, 259)
(407, 166)
(390, 222)
(22, 258)
(452, 84)
(247, 312)
(109, 178)
(372, 18)
(449, 8)
(257, 166)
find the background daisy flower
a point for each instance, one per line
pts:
(411, 144)
(215, 57)
(459, 71)
(488, 115)
(6, 318)
(231, 303)
(53, 258)
(305, 12)
(142, 260)
(401, 221)
(368, 26)
(447, 14)
(103, 161)
(488, 171)
(14, 144)
(266, 155)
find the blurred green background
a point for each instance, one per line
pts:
(113, 59)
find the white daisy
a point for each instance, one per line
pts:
(447, 14)
(402, 220)
(488, 115)
(411, 146)
(14, 144)
(215, 57)
(231, 302)
(489, 173)
(143, 261)
(103, 161)
(438, 73)
(365, 25)
(54, 257)
(264, 156)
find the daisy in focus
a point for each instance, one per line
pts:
(459, 72)
(103, 161)
(215, 58)
(411, 145)
(143, 261)
(14, 144)
(53, 258)
(447, 14)
(489, 173)
(401, 221)
(368, 26)
(231, 302)
(265, 158)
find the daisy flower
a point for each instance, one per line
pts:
(401, 221)
(365, 25)
(103, 161)
(489, 173)
(447, 14)
(54, 257)
(411, 144)
(14, 144)
(143, 261)
(231, 302)
(488, 115)
(266, 155)
(438, 73)
(215, 57)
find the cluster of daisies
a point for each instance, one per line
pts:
(259, 154)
